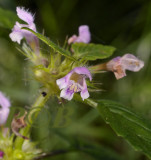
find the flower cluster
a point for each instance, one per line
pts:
(60, 76)
(75, 80)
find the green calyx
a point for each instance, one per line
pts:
(11, 152)
(59, 61)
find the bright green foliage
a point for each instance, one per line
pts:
(127, 124)
(8, 20)
(92, 51)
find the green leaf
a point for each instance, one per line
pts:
(92, 51)
(51, 44)
(127, 124)
(7, 18)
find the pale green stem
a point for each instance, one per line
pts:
(36, 108)
(88, 101)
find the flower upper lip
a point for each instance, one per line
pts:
(84, 35)
(17, 33)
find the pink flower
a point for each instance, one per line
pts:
(74, 82)
(1, 154)
(18, 34)
(84, 35)
(4, 110)
(119, 65)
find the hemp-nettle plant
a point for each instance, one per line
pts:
(63, 73)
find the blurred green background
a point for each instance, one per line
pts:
(124, 24)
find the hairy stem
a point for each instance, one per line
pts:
(88, 101)
(98, 67)
(33, 113)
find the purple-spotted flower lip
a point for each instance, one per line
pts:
(83, 37)
(74, 82)
(17, 33)
(4, 110)
(119, 65)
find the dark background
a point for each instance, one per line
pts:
(124, 24)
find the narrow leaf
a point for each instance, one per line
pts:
(51, 44)
(135, 129)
